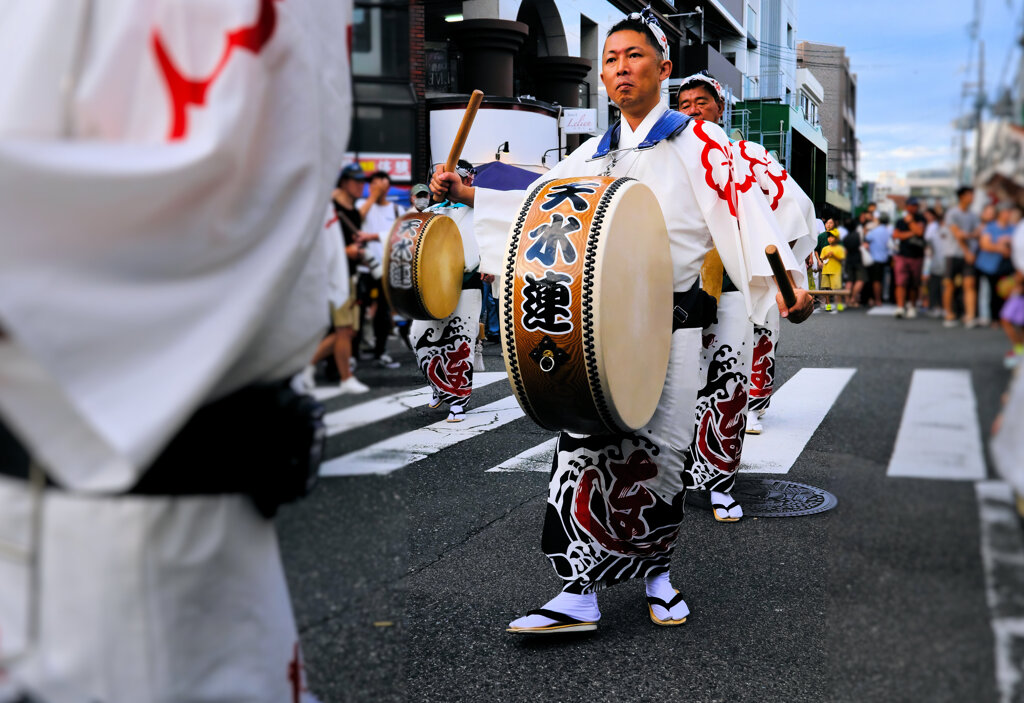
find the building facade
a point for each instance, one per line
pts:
(831, 67)
(775, 109)
(416, 61)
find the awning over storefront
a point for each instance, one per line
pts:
(838, 201)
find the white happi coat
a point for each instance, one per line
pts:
(163, 174)
(444, 348)
(692, 178)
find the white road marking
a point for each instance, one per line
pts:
(885, 310)
(534, 459)
(1002, 554)
(382, 408)
(939, 435)
(404, 449)
(797, 408)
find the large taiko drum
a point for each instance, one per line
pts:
(423, 266)
(587, 305)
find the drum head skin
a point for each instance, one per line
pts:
(633, 306)
(587, 305)
(423, 266)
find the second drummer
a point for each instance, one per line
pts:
(445, 348)
(624, 523)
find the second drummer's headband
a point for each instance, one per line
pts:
(647, 17)
(705, 78)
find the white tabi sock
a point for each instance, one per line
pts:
(725, 499)
(661, 587)
(582, 607)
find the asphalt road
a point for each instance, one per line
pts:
(403, 583)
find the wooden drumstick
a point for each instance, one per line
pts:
(781, 276)
(462, 134)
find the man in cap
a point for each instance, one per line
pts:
(699, 204)
(345, 319)
(419, 198)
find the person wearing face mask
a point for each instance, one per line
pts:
(419, 198)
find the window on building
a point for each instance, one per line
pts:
(380, 41)
(584, 91)
(789, 36)
(752, 28)
(730, 57)
(383, 128)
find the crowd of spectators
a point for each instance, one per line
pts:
(963, 265)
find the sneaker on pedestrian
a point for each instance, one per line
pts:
(970, 324)
(352, 386)
(385, 361)
(911, 312)
(949, 324)
(898, 312)
(828, 308)
(840, 307)
(307, 378)
(835, 311)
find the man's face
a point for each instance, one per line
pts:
(353, 187)
(632, 71)
(912, 209)
(382, 183)
(967, 198)
(699, 104)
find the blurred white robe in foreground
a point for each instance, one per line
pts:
(163, 174)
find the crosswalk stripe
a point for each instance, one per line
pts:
(383, 408)
(533, 459)
(797, 408)
(939, 436)
(404, 449)
(886, 310)
(1002, 554)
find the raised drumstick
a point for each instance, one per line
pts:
(462, 134)
(781, 276)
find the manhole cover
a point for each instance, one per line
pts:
(764, 497)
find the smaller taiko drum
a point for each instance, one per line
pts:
(587, 305)
(423, 266)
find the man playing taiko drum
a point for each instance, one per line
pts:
(616, 501)
(738, 357)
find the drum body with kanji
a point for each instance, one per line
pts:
(423, 266)
(587, 305)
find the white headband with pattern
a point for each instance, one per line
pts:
(706, 79)
(647, 17)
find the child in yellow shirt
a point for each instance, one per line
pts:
(832, 257)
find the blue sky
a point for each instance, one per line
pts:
(911, 59)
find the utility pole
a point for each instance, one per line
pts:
(979, 105)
